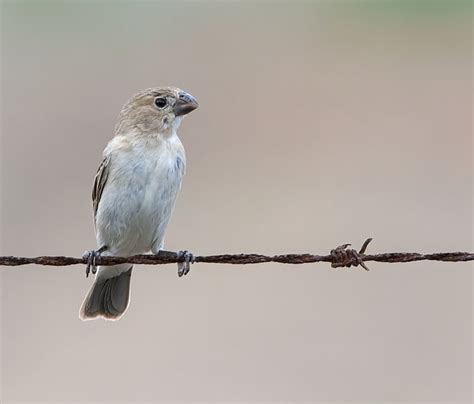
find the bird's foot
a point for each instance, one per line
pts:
(185, 265)
(343, 257)
(91, 256)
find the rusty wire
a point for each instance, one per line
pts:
(339, 257)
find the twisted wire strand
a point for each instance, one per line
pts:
(236, 259)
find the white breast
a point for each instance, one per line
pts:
(139, 197)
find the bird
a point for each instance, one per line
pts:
(134, 194)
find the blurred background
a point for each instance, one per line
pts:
(320, 123)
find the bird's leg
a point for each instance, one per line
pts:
(343, 257)
(185, 259)
(91, 256)
(185, 265)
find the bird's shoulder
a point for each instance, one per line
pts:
(118, 144)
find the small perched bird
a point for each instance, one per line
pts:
(134, 193)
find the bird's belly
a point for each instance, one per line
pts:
(133, 214)
(155, 212)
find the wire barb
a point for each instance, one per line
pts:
(343, 257)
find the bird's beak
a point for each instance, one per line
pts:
(185, 104)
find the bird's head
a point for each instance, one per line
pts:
(155, 111)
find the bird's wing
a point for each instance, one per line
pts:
(99, 183)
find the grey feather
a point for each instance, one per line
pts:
(107, 298)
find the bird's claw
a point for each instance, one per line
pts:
(343, 257)
(185, 265)
(90, 256)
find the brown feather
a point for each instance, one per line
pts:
(100, 180)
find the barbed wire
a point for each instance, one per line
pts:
(339, 257)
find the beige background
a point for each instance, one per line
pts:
(320, 123)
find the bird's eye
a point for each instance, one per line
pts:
(160, 102)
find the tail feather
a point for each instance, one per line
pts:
(107, 298)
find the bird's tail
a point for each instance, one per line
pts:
(108, 296)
